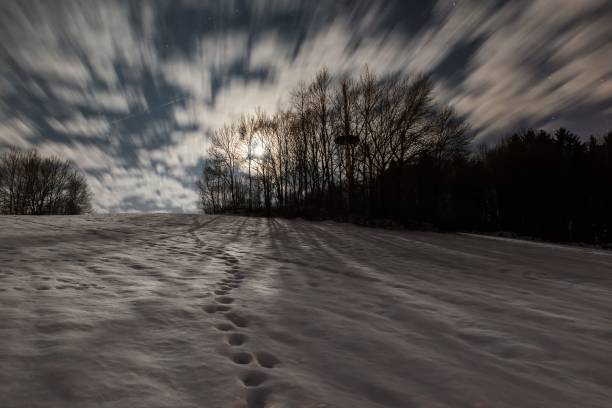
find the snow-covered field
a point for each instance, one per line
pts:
(200, 311)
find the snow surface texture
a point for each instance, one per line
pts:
(197, 311)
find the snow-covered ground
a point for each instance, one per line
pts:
(200, 311)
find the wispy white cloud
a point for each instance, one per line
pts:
(538, 60)
(80, 125)
(15, 133)
(104, 90)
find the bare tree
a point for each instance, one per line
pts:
(304, 163)
(247, 127)
(31, 184)
(227, 148)
(448, 135)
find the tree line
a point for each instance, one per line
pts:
(297, 161)
(555, 186)
(34, 185)
(378, 148)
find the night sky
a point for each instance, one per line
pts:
(130, 91)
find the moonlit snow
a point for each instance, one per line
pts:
(201, 311)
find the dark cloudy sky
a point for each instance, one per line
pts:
(130, 90)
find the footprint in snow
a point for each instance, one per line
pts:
(253, 378)
(238, 320)
(216, 308)
(237, 339)
(224, 327)
(266, 360)
(241, 357)
(226, 300)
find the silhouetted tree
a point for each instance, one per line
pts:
(32, 184)
(412, 163)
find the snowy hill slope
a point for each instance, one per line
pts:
(201, 311)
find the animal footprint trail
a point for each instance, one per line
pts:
(254, 377)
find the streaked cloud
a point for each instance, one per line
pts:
(131, 90)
